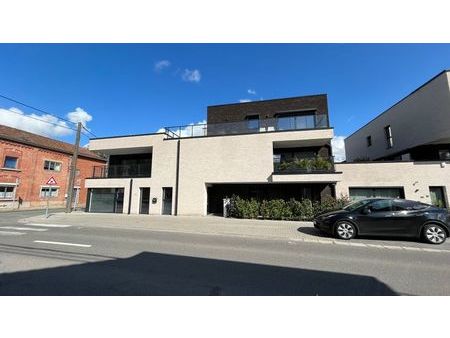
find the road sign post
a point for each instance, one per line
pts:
(50, 183)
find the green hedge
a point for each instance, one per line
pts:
(279, 209)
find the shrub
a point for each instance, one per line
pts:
(279, 209)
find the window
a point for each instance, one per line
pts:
(10, 162)
(52, 165)
(369, 140)
(381, 206)
(6, 192)
(388, 135)
(49, 192)
(252, 122)
(295, 121)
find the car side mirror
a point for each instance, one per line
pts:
(366, 210)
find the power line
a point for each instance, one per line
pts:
(35, 118)
(90, 132)
(37, 109)
(45, 112)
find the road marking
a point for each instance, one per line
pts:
(23, 229)
(63, 243)
(11, 233)
(411, 248)
(393, 247)
(49, 225)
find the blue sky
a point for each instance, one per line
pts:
(119, 87)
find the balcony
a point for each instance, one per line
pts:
(311, 165)
(122, 171)
(251, 126)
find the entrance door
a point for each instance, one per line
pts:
(145, 201)
(167, 201)
(437, 197)
(75, 197)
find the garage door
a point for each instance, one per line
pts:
(361, 193)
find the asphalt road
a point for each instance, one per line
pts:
(87, 260)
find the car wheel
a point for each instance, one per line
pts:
(434, 234)
(345, 230)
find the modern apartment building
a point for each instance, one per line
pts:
(27, 161)
(265, 149)
(416, 128)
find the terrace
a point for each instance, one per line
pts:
(250, 126)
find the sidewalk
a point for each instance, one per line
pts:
(211, 225)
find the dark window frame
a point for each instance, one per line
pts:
(369, 140)
(388, 136)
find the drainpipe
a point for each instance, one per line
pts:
(129, 196)
(177, 179)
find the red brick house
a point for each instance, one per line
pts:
(28, 160)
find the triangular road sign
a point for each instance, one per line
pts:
(51, 181)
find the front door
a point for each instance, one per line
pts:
(167, 201)
(145, 201)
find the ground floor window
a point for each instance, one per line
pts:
(49, 192)
(437, 197)
(6, 192)
(368, 192)
(108, 200)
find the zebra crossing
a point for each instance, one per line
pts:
(20, 230)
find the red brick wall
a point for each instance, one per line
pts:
(31, 175)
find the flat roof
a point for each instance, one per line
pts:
(268, 100)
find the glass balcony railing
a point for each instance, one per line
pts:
(302, 122)
(122, 171)
(305, 166)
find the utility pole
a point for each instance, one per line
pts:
(73, 168)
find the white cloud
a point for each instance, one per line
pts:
(79, 115)
(33, 123)
(191, 75)
(245, 100)
(251, 91)
(45, 124)
(338, 145)
(161, 65)
(192, 129)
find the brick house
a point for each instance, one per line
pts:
(28, 160)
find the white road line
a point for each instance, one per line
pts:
(11, 233)
(23, 229)
(63, 243)
(49, 225)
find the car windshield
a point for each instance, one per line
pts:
(353, 206)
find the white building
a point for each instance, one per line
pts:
(266, 149)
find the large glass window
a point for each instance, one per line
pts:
(52, 165)
(6, 192)
(10, 162)
(106, 200)
(296, 121)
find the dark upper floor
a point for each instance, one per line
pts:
(316, 105)
(295, 113)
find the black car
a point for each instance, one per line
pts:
(387, 217)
